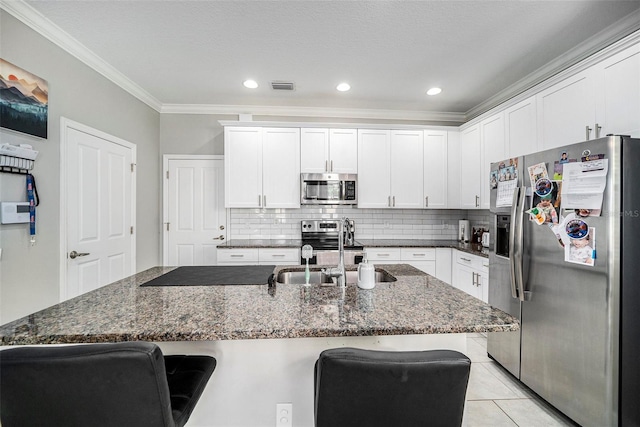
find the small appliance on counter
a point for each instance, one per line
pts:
(463, 230)
(485, 239)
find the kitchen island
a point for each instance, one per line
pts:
(249, 329)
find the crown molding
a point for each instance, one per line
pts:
(333, 125)
(289, 111)
(39, 23)
(607, 42)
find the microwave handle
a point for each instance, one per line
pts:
(342, 190)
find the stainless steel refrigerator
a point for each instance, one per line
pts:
(579, 343)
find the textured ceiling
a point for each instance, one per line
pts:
(391, 52)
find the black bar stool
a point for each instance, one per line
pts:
(355, 387)
(117, 384)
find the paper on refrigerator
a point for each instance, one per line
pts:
(583, 184)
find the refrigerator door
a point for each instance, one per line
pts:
(504, 347)
(570, 313)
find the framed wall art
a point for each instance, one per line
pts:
(24, 100)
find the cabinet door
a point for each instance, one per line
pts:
(374, 176)
(314, 150)
(407, 169)
(343, 150)
(453, 167)
(521, 129)
(465, 279)
(470, 168)
(483, 281)
(443, 264)
(618, 89)
(281, 167)
(242, 167)
(492, 130)
(566, 111)
(435, 169)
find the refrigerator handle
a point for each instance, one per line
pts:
(518, 250)
(512, 242)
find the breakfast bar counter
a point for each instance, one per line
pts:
(124, 311)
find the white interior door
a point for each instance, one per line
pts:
(98, 209)
(195, 217)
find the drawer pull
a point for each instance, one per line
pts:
(237, 256)
(277, 255)
(419, 254)
(383, 254)
(465, 259)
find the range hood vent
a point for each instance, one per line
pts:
(282, 86)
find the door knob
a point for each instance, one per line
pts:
(222, 227)
(74, 254)
(220, 237)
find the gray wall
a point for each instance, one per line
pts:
(29, 274)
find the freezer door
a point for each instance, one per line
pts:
(569, 316)
(503, 347)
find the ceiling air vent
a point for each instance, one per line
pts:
(282, 86)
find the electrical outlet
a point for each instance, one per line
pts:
(284, 414)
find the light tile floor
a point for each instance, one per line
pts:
(497, 399)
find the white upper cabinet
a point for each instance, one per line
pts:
(281, 168)
(566, 111)
(470, 160)
(242, 167)
(618, 94)
(453, 168)
(390, 169)
(374, 168)
(329, 150)
(520, 128)
(262, 167)
(493, 150)
(407, 169)
(435, 169)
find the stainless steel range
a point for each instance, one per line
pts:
(322, 235)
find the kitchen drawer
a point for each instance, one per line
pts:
(279, 256)
(240, 256)
(473, 261)
(418, 254)
(383, 254)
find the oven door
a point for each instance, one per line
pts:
(332, 257)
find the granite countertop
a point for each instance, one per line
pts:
(472, 248)
(123, 311)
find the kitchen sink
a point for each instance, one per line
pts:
(318, 277)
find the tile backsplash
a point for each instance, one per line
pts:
(370, 223)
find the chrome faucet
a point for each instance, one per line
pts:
(339, 271)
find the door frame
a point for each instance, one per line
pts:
(165, 195)
(65, 125)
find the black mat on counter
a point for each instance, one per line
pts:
(214, 275)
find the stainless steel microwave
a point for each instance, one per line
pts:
(328, 189)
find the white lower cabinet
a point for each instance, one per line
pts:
(262, 256)
(421, 258)
(433, 261)
(471, 275)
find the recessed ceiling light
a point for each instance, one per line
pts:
(434, 91)
(251, 84)
(343, 87)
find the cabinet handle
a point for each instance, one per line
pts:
(394, 201)
(389, 201)
(465, 259)
(326, 165)
(598, 129)
(419, 254)
(277, 255)
(426, 201)
(237, 256)
(383, 254)
(588, 132)
(477, 201)
(331, 166)
(259, 200)
(264, 201)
